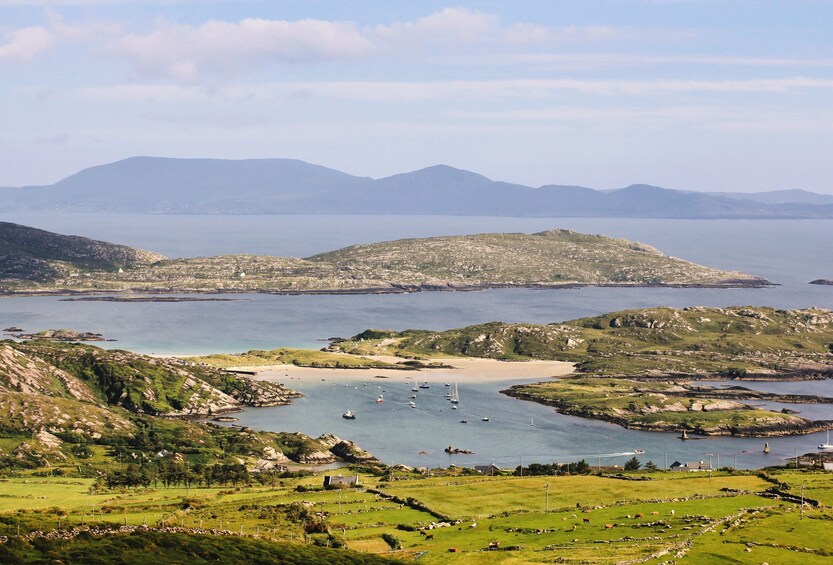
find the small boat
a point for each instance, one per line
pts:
(446, 384)
(484, 419)
(826, 446)
(349, 415)
(464, 421)
(532, 422)
(684, 435)
(424, 385)
(413, 396)
(454, 407)
(412, 404)
(766, 447)
(380, 399)
(455, 395)
(639, 451)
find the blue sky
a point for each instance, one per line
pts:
(696, 95)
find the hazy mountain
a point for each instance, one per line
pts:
(796, 196)
(285, 186)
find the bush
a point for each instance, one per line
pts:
(392, 541)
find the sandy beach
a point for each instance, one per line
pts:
(465, 370)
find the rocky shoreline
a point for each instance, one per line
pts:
(169, 294)
(800, 426)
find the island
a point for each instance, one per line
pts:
(40, 262)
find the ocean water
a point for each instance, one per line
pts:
(789, 253)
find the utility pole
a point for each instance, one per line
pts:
(546, 498)
(666, 459)
(522, 465)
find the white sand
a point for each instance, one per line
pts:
(465, 370)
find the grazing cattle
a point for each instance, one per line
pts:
(429, 536)
(473, 525)
(654, 513)
(608, 526)
(672, 511)
(586, 520)
(640, 515)
(574, 527)
(629, 516)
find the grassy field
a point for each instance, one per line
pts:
(574, 519)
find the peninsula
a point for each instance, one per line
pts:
(40, 262)
(73, 404)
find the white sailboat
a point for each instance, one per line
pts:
(532, 422)
(415, 388)
(455, 396)
(826, 446)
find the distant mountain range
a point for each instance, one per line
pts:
(285, 186)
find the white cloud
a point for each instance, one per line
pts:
(186, 52)
(462, 91)
(24, 44)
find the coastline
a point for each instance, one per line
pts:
(394, 289)
(465, 370)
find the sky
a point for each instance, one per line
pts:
(689, 94)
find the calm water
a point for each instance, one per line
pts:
(789, 253)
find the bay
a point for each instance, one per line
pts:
(787, 252)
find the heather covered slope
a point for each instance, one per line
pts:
(37, 255)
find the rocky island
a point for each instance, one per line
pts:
(39, 262)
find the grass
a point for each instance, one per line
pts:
(300, 357)
(674, 508)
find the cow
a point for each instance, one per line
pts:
(586, 520)
(608, 526)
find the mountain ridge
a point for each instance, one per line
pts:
(291, 186)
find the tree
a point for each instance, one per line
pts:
(581, 467)
(650, 466)
(633, 464)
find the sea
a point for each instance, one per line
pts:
(789, 253)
